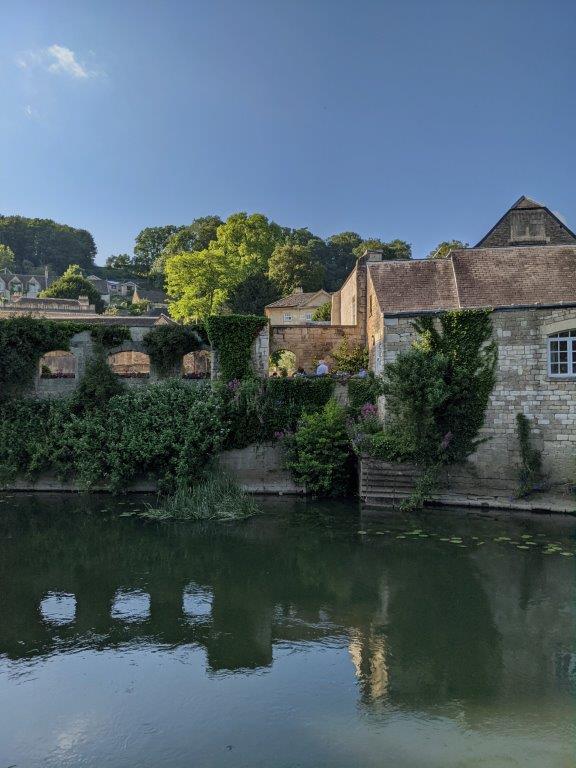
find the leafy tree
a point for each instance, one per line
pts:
(395, 249)
(323, 312)
(199, 282)
(44, 242)
(150, 243)
(71, 285)
(248, 242)
(122, 261)
(7, 258)
(194, 237)
(349, 358)
(292, 266)
(443, 249)
(251, 295)
(339, 258)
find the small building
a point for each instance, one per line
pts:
(154, 296)
(296, 309)
(14, 285)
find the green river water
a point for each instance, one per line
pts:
(308, 637)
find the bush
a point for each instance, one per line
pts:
(320, 454)
(256, 411)
(531, 474)
(98, 385)
(437, 391)
(349, 358)
(167, 345)
(323, 312)
(387, 445)
(71, 285)
(362, 391)
(165, 431)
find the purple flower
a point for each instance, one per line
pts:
(446, 441)
(368, 410)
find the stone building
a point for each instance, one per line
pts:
(14, 286)
(524, 269)
(296, 309)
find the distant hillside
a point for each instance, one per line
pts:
(40, 242)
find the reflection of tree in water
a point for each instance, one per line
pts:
(418, 619)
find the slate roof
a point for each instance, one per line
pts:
(478, 277)
(296, 300)
(154, 295)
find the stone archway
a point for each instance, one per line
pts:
(130, 364)
(58, 364)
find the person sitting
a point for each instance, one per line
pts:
(299, 372)
(322, 368)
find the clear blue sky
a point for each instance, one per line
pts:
(418, 119)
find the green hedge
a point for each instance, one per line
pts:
(232, 337)
(167, 345)
(362, 391)
(260, 410)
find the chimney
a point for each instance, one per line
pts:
(299, 289)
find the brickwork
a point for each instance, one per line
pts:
(523, 386)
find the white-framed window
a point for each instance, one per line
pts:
(308, 317)
(562, 354)
(287, 317)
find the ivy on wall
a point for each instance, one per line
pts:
(232, 337)
(108, 336)
(167, 345)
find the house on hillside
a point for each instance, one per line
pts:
(296, 309)
(111, 288)
(524, 269)
(154, 296)
(13, 285)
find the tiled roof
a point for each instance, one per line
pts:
(296, 300)
(478, 277)
(151, 294)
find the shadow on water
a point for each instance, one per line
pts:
(430, 610)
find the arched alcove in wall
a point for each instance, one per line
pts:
(196, 365)
(130, 364)
(58, 364)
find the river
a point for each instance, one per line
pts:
(307, 637)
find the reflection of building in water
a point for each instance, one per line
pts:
(368, 652)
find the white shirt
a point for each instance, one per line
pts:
(322, 369)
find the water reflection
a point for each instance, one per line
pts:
(423, 626)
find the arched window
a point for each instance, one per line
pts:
(130, 364)
(562, 354)
(58, 364)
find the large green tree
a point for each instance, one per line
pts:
(394, 249)
(340, 258)
(40, 242)
(251, 295)
(443, 249)
(121, 261)
(71, 285)
(293, 266)
(198, 282)
(194, 237)
(150, 243)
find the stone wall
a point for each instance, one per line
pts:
(523, 386)
(545, 229)
(311, 342)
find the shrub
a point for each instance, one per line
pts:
(437, 391)
(167, 345)
(362, 391)
(319, 453)
(97, 386)
(387, 445)
(349, 358)
(71, 285)
(531, 474)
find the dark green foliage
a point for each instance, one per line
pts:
(531, 474)
(349, 358)
(23, 341)
(43, 242)
(71, 285)
(257, 411)
(108, 336)
(320, 454)
(232, 337)
(362, 391)
(323, 312)
(98, 385)
(437, 392)
(251, 295)
(167, 345)
(388, 445)
(164, 431)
